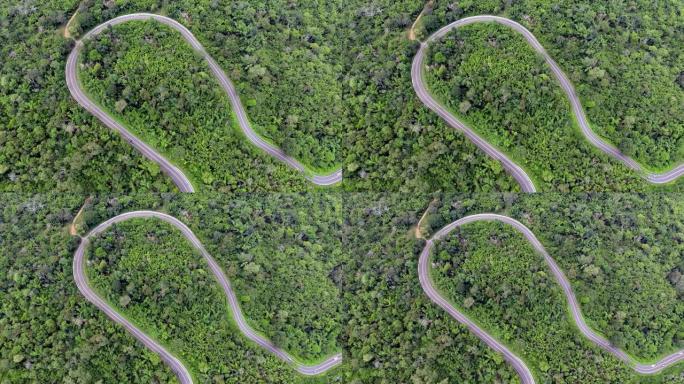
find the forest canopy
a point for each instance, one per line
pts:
(358, 255)
(330, 83)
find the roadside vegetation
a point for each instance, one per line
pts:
(596, 239)
(394, 333)
(282, 252)
(303, 75)
(490, 76)
(155, 278)
(339, 272)
(311, 88)
(621, 252)
(148, 77)
(623, 57)
(48, 331)
(279, 251)
(494, 276)
(47, 142)
(330, 83)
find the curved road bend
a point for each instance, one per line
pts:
(181, 372)
(517, 172)
(516, 362)
(181, 181)
(426, 98)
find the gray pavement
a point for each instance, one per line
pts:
(178, 177)
(515, 170)
(517, 363)
(79, 271)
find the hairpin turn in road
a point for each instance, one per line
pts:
(79, 270)
(526, 184)
(518, 364)
(178, 177)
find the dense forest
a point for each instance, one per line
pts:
(336, 270)
(489, 74)
(330, 83)
(47, 329)
(145, 73)
(606, 243)
(625, 59)
(279, 260)
(357, 255)
(47, 142)
(596, 239)
(652, 119)
(316, 77)
(495, 276)
(394, 334)
(278, 255)
(279, 251)
(157, 280)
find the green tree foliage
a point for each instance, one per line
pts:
(502, 88)
(48, 332)
(146, 268)
(496, 277)
(145, 73)
(396, 333)
(327, 82)
(623, 57)
(47, 142)
(162, 284)
(621, 252)
(330, 83)
(356, 254)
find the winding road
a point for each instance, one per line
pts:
(417, 75)
(79, 270)
(517, 363)
(526, 184)
(178, 177)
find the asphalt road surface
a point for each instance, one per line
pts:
(174, 363)
(516, 171)
(178, 177)
(517, 363)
